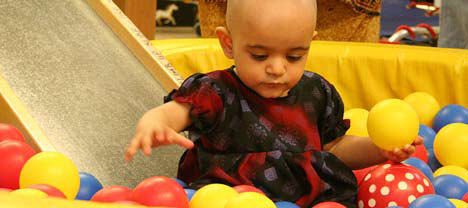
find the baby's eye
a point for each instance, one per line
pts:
(294, 58)
(259, 57)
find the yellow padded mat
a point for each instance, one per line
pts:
(8, 200)
(363, 73)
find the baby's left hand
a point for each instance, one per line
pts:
(400, 154)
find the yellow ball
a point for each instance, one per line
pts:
(425, 106)
(459, 203)
(250, 200)
(454, 170)
(29, 192)
(451, 145)
(213, 196)
(392, 123)
(358, 118)
(53, 169)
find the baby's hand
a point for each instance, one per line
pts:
(154, 136)
(398, 154)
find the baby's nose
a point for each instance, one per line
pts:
(276, 68)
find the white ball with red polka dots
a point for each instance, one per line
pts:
(393, 184)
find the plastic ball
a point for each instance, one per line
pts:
(450, 186)
(14, 155)
(10, 132)
(428, 135)
(51, 168)
(89, 185)
(395, 207)
(393, 185)
(432, 160)
(49, 190)
(247, 188)
(465, 198)
(358, 118)
(286, 204)
(361, 173)
(190, 193)
(29, 192)
(421, 165)
(5, 190)
(250, 200)
(329, 205)
(450, 144)
(425, 106)
(459, 203)
(213, 196)
(421, 153)
(450, 114)
(180, 182)
(431, 201)
(387, 116)
(112, 194)
(160, 191)
(126, 202)
(454, 170)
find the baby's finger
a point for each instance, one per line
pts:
(146, 144)
(132, 148)
(399, 153)
(418, 141)
(182, 141)
(409, 149)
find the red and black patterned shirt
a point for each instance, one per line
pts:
(273, 144)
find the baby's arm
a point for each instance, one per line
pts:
(360, 152)
(161, 126)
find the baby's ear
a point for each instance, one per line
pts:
(225, 40)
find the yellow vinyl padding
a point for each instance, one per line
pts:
(363, 73)
(8, 200)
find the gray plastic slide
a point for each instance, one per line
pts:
(82, 85)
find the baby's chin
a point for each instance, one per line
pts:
(272, 95)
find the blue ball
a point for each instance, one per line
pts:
(421, 165)
(395, 207)
(431, 201)
(428, 134)
(285, 204)
(180, 182)
(450, 114)
(432, 160)
(89, 185)
(190, 193)
(450, 186)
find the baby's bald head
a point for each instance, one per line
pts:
(256, 12)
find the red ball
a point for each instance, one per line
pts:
(13, 155)
(421, 153)
(5, 190)
(9, 132)
(126, 202)
(112, 194)
(359, 174)
(465, 198)
(160, 191)
(328, 205)
(247, 188)
(49, 190)
(393, 185)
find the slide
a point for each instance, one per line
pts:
(72, 86)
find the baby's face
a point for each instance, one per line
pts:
(270, 50)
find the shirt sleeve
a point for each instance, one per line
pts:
(331, 123)
(202, 93)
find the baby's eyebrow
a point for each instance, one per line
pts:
(299, 49)
(257, 46)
